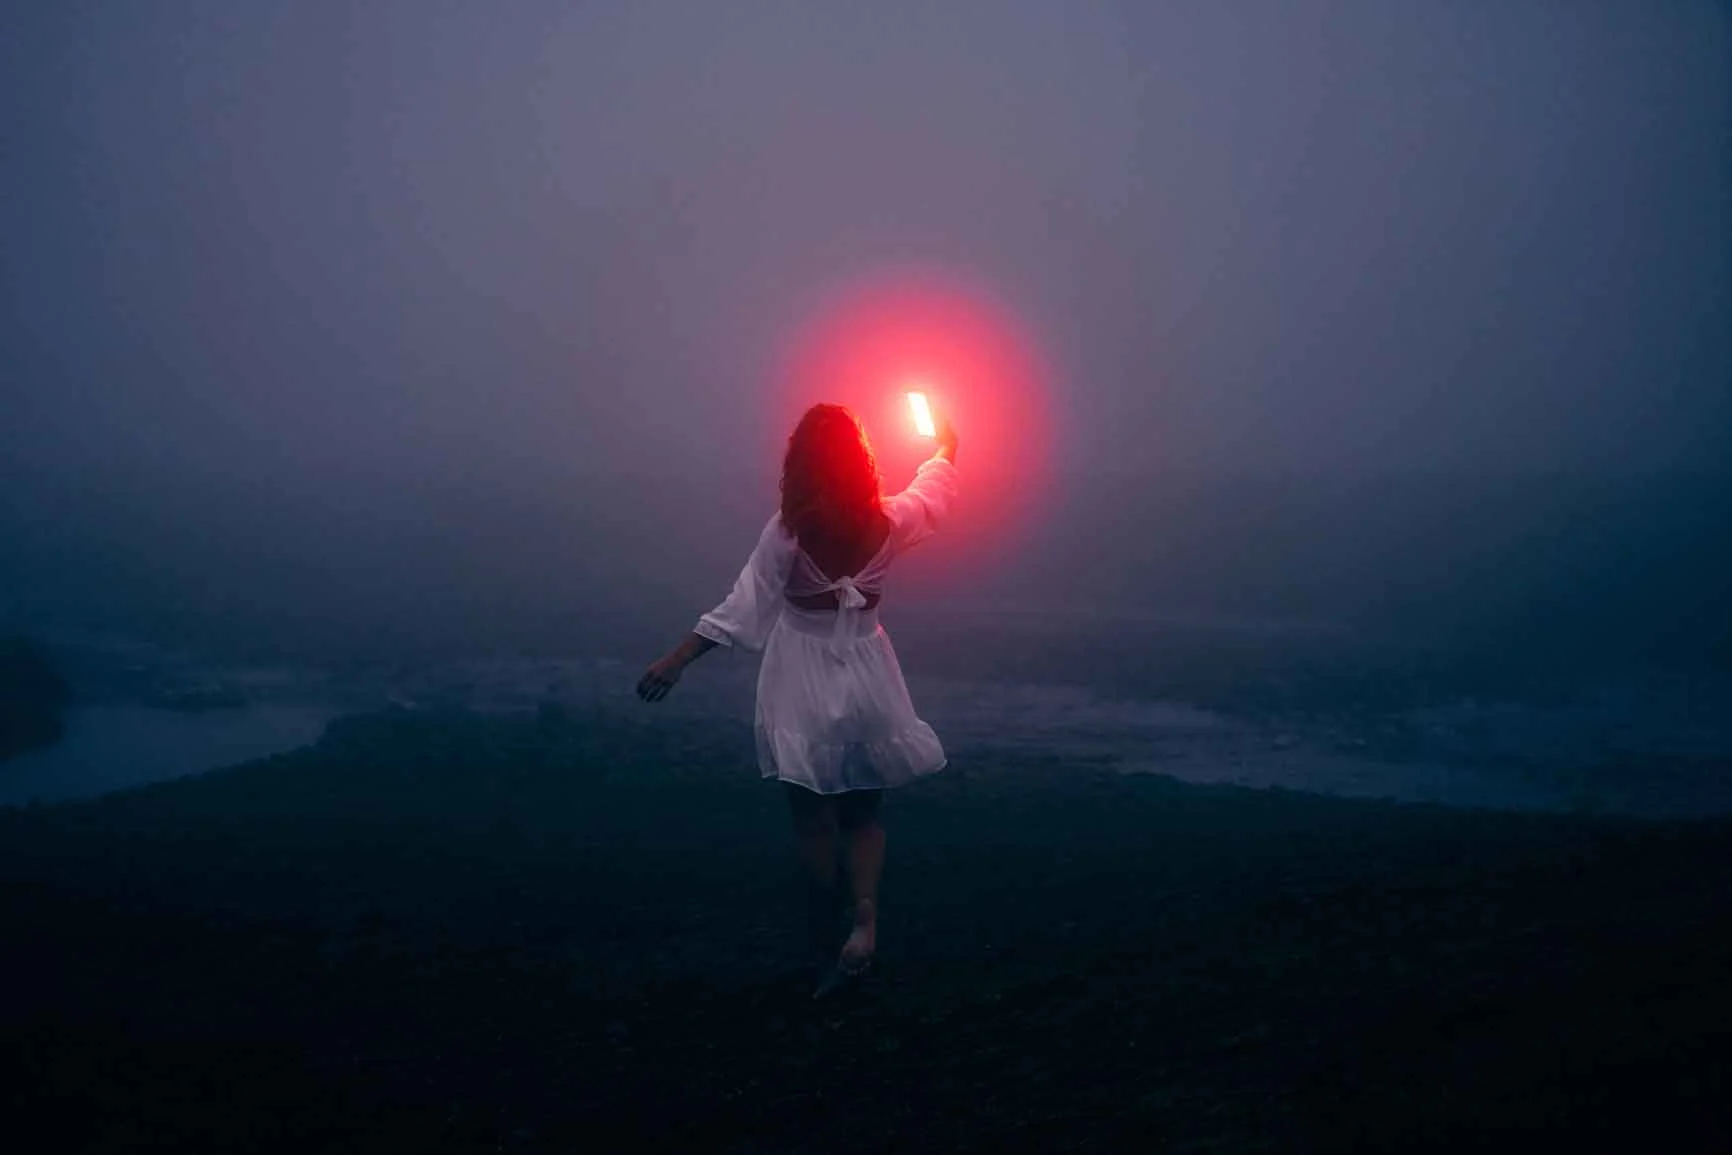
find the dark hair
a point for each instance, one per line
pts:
(829, 477)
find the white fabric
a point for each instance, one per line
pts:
(833, 711)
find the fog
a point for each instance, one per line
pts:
(405, 328)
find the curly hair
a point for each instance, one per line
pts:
(829, 477)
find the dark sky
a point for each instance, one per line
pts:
(270, 267)
(421, 237)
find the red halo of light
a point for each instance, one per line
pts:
(870, 343)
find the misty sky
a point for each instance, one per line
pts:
(340, 240)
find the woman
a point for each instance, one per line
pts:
(834, 721)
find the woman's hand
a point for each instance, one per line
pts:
(659, 679)
(946, 440)
(665, 671)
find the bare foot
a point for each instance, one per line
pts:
(856, 957)
(862, 939)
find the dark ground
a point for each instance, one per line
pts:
(462, 934)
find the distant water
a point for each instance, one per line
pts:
(115, 746)
(1301, 709)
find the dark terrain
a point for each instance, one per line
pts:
(33, 697)
(580, 931)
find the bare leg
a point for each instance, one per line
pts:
(864, 834)
(815, 828)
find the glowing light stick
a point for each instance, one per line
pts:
(922, 415)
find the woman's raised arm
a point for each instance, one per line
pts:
(916, 512)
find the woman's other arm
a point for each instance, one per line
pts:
(659, 679)
(744, 618)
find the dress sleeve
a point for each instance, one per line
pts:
(916, 511)
(744, 618)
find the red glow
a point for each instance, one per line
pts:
(867, 346)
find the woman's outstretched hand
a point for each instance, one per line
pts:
(659, 679)
(666, 670)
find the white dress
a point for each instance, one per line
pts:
(833, 711)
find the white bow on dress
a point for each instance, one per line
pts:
(849, 602)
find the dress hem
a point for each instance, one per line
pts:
(832, 767)
(770, 775)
